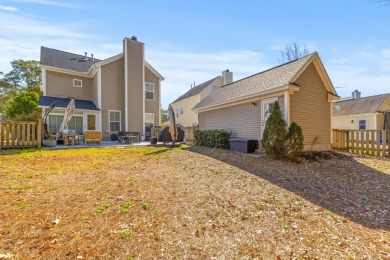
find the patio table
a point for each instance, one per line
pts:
(69, 139)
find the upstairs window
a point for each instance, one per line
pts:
(149, 91)
(77, 83)
(181, 111)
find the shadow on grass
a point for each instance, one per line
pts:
(339, 184)
(18, 151)
(160, 151)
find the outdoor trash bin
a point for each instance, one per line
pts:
(243, 145)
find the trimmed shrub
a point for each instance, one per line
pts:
(212, 138)
(274, 137)
(294, 141)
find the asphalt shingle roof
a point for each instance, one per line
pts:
(63, 60)
(365, 105)
(196, 90)
(79, 103)
(275, 77)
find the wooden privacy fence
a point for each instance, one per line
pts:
(368, 142)
(18, 134)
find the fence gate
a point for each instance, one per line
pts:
(20, 134)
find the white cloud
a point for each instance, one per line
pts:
(366, 70)
(46, 2)
(182, 69)
(21, 37)
(348, 78)
(8, 8)
(17, 25)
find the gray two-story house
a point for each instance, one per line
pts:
(121, 93)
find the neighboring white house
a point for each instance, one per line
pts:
(183, 105)
(362, 113)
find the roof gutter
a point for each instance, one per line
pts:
(72, 72)
(366, 114)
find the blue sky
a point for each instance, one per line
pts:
(193, 41)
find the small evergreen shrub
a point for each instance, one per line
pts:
(277, 142)
(294, 141)
(212, 138)
(274, 137)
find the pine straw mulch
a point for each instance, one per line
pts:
(157, 203)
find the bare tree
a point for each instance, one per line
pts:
(292, 52)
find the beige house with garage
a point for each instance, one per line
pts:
(120, 93)
(184, 115)
(303, 89)
(361, 113)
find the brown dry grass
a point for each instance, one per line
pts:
(190, 204)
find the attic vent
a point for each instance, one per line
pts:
(133, 38)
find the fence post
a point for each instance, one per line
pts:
(1, 134)
(387, 142)
(39, 134)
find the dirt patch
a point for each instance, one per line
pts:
(317, 156)
(144, 203)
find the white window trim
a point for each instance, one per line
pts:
(109, 120)
(60, 114)
(358, 124)
(75, 85)
(262, 103)
(153, 118)
(149, 91)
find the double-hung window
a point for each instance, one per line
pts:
(362, 124)
(149, 91)
(115, 120)
(77, 83)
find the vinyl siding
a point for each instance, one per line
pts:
(311, 110)
(352, 122)
(242, 120)
(189, 117)
(135, 80)
(153, 106)
(112, 93)
(61, 85)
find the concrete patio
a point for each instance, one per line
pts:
(106, 144)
